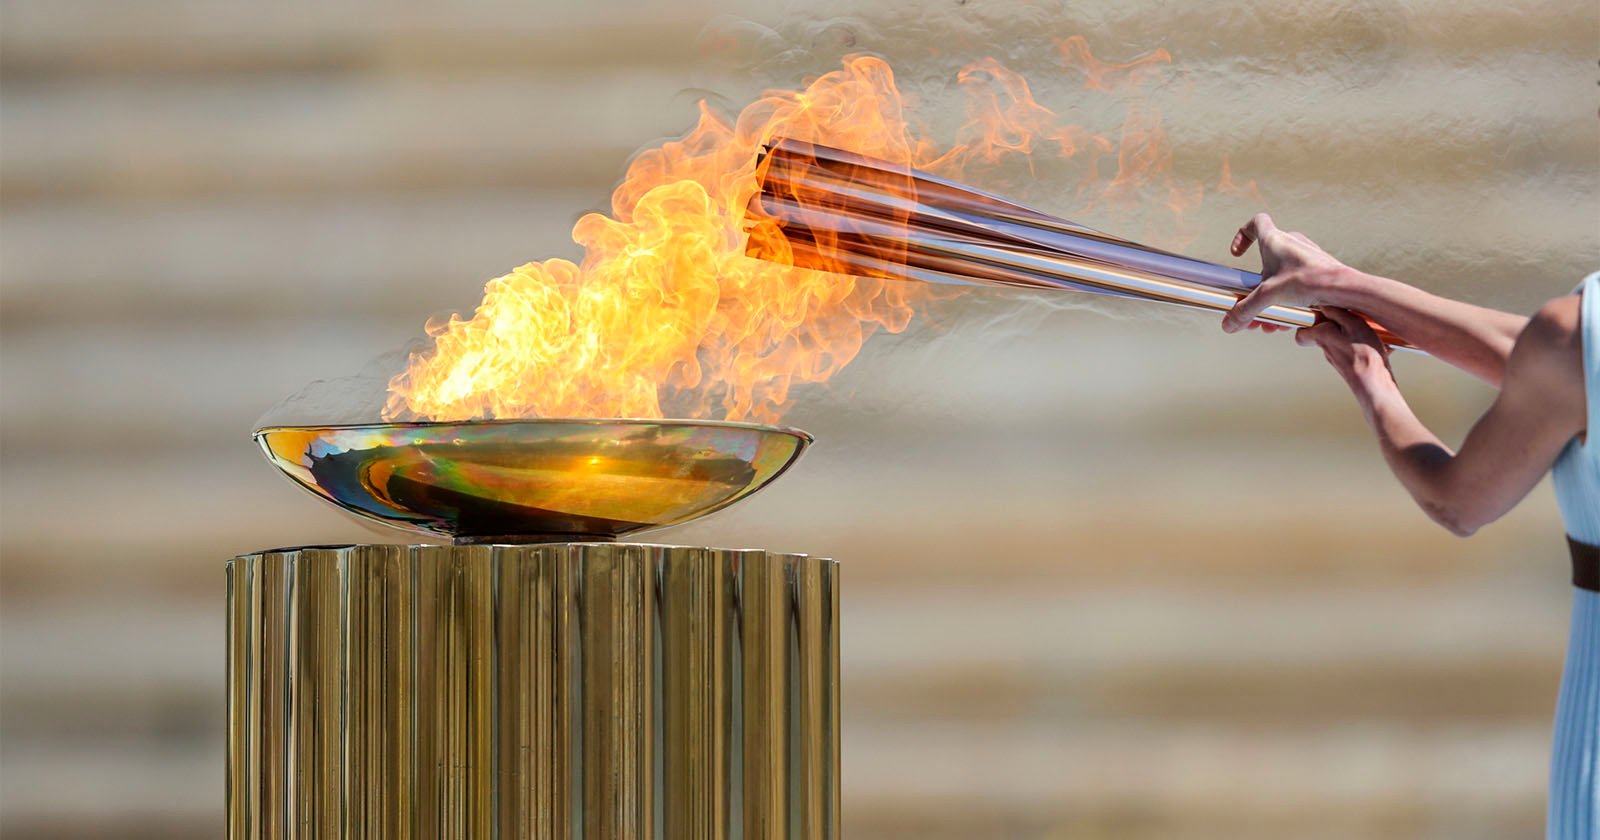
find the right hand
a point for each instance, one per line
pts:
(1294, 272)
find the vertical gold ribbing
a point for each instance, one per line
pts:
(696, 611)
(616, 609)
(242, 758)
(764, 635)
(531, 692)
(813, 741)
(461, 719)
(430, 665)
(454, 638)
(362, 662)
(834, 769)
(275, 729)
(534, 626)
(566, 691)
(518, 631)
(475, 716)
(315, 698)
(363, 751)
(393, 688)
(377, 692)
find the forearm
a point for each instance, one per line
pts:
(1473, 338)
(1540, 409)
(1415, 455)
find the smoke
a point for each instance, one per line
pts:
(346, 401)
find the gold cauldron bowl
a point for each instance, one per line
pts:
(533, 480)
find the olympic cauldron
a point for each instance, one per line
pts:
(535, 677)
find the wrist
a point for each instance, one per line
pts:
(1376, 389)
(1348, 288)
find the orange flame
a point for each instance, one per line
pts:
(666, 313)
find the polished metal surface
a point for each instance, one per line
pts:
(970, 259)
(533, 480)
(839, 211)
(575, 690)
(821, 176)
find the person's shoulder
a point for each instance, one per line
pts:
(1550, 349)
(1557, 326)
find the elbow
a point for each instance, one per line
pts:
(1459, 527)
(1455, 518)
(1457, 505)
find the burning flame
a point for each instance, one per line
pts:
(666, 312)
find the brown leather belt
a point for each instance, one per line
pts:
(1585, 565)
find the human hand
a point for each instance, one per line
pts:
(1294, 272)
(1350, 345)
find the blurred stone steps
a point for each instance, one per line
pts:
(128, 790)
(1363, 762)
(1134, 782)
(161, 264)
(178, 36)
(1429, 703)
(166, 138)
(1324, 690)
(137, 391)
(286, 135)
(1349, 29)
(182, 35)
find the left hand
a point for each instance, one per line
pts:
(1294, 272)
(1350, 345)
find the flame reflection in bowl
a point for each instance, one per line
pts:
(526, 480)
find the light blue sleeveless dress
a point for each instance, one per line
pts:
(1574, 807)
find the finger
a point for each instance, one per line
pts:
(1355, 326)
(1249, 306)
(1316, 335)
(1259, 225)
(1343, 317)
(1241, 243)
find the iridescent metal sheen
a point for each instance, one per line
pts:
(533, 480)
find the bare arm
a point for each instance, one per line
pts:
(1540, 408)
(1297, 272)
(1476, 339)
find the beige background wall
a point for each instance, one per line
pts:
(1108, 575)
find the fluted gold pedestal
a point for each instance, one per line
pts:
(572, 690)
